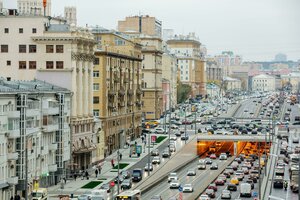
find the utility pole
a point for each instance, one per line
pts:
(165, 117)
(259, 171)
(185, 125)
(118, 159)
(148, 154)
(195, 112)
(169, 131)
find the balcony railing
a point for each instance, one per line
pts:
(13, 180)
(50, 128)
(51, 111)
(13, 114)
(13, 134)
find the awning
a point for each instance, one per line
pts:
(4, 185)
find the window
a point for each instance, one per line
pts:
(49, 64)
(8, 63)
(96, 61)
(49, 48)
(6, 30)
(32, 64)
(22, 48)
(22, 64)
(59, 48)
(4, 48)
(59, 64)
(96, 113)
(33, 30)
(32, 48)
(96, 86)
(95, 100)
(20, 30)
(95, 74)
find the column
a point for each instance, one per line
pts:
(234, 148)
(85, 90)
(90, 88)
(79, 86)
(74, 88)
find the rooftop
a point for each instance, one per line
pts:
(33, 86)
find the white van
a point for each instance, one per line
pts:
(202, 164)
(40, 194)
(245, 190)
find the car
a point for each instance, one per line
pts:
(184, 137)
(251, 183)
(223, 156)
(208, 161)
(126, 174)
(238, 160)
(213, 186)
(166, 153)
(226, 194)
(150, 167)
(119, 179)
(126, 184)
(172, 148)
(231, 187)
(227, 173)
(219, 181)
(173, 137)
(229, 169)
(210, 193)
(214, 166)
(204, 197)
(155, 152)
(174, 184)
(156, 197)
(245, 170)
(223, 177)
(234, 180)
(172, 176)
(106, 187)
(213, 156)
(177, 133)
(191, 172)
(187, 188)
(156, 160)
(160, 130)
(278, 182)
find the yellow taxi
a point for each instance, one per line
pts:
(234, 181)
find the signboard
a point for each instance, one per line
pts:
(138, 149)
(153, 138)
(180, 189)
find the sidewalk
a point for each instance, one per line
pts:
(107, 173)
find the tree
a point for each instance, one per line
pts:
(183, 92)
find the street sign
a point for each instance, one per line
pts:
(180, 189)
(138, 149)
(153, 138)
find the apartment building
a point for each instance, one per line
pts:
(34, 129)
(231, 84)
(117, 87)
(191, 63)
(214, 72)
(50, 49)
(147, 31)
(263, 82)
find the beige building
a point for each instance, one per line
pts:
(214, 72)
(117, 87)
(232, 84)
(50, 50)
(143, 24)
(191, 64)
(169, 72)
(292, 80)
(263, 82)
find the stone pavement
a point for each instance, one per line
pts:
(106, 176)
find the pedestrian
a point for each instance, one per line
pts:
(11, 198)
(18, 197)
(99, 169)
(120, 155)
(112, 163)
(96, 173)
(135, 143)
(65, 180)
(142, 139)
(288, 130)
(75, 176)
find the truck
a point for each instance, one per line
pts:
(245, 190)
(39, 194)
(294, 177)
(137, 175)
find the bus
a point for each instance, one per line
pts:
(130, 195)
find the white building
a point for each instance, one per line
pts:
(51, 50)
(34, 117)
(232, 83)
(34, 7)
(263, 82)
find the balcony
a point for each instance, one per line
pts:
(52, 168)
(121, 104)
(44, 150)
(111, 93)
(51, 111)
(13, 134)
(130, 92)
(32, 130)
(138, 103)
(50, 128)
(129, 103)
(126, 80)
(53, 147)
(12, 156)
(13, 180)
(13, 114)
(32, 113)
(111, 105)
(121, 92)
(139, 91)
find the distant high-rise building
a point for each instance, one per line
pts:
(141, 24)
(71, 15)
(34, 7)
(280, 57)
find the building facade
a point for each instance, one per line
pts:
(191, 63)
(291, 81)
(34, 7)
(214, 72)
(232, 84)
(263, 83)
(34, 127)
(50, 50)
(143, 24)
(117, 87)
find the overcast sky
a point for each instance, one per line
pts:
(255, 29)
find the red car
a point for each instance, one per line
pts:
(210, 193)
(213, 186)
(219, 181)
(213, 156)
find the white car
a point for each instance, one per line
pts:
(173, 137)
(156, 160)
(223, 156)
(191, 172)
(187, 188)
(174, 184)
(172, 176)
(204, 197)
(150, 167)
(160, 131)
